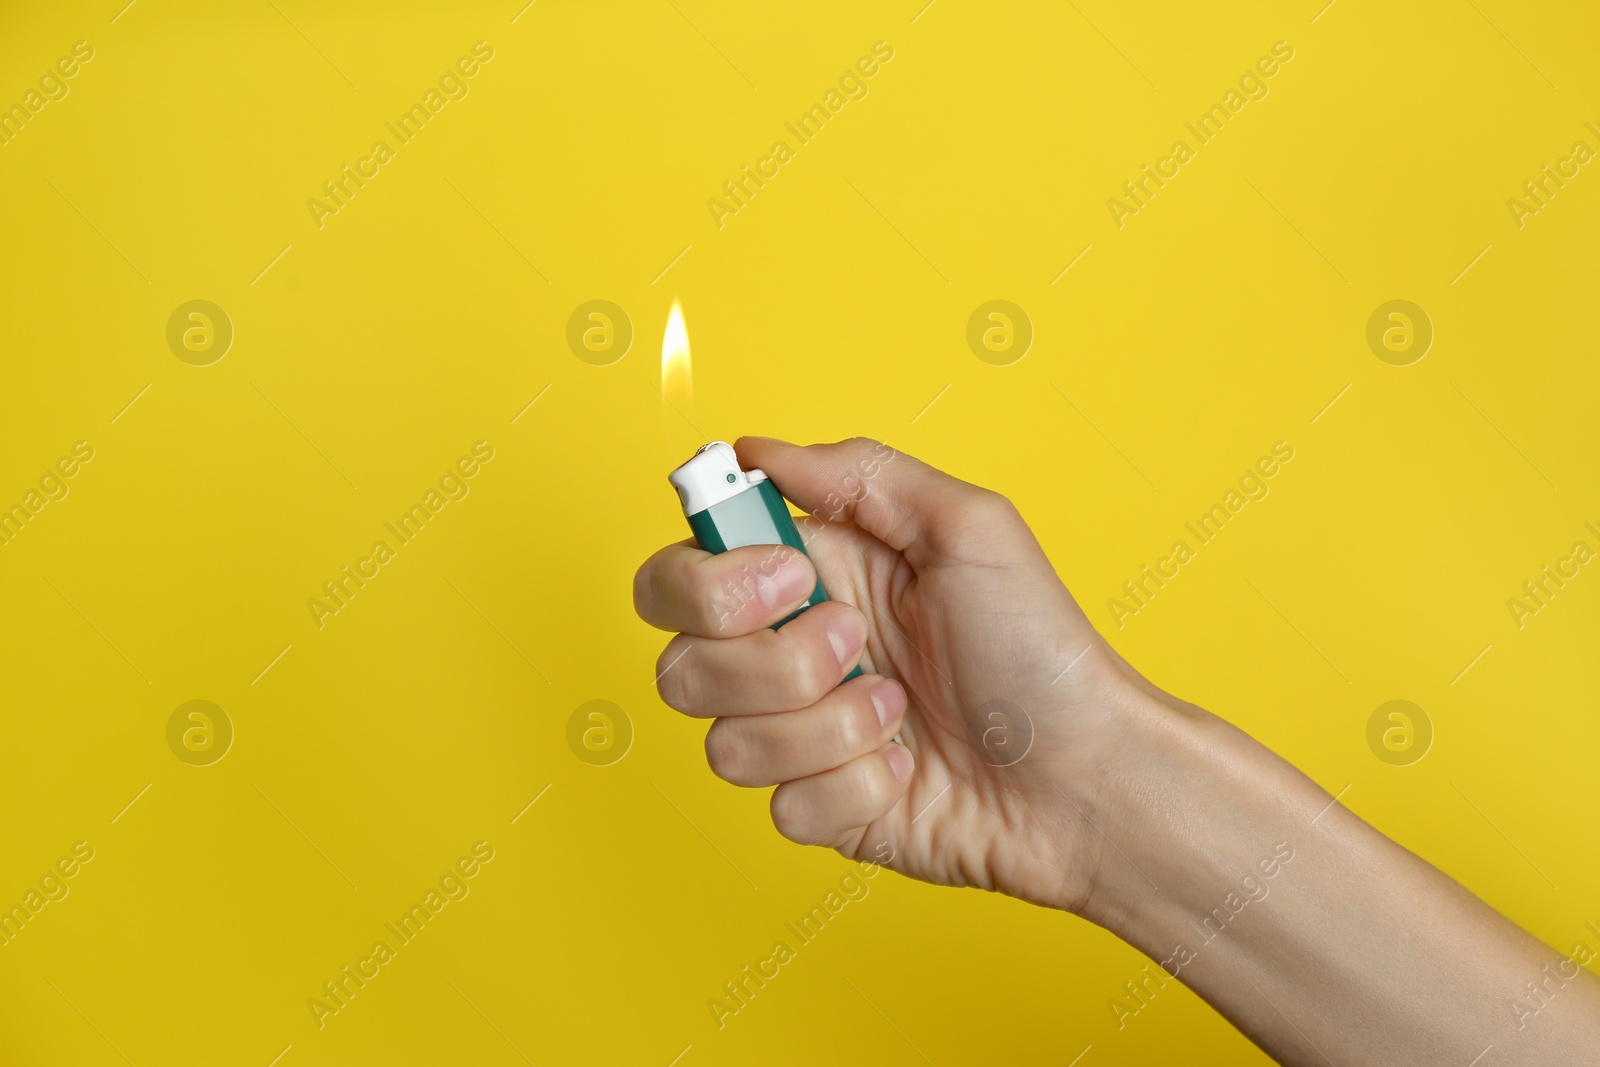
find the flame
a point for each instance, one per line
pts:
(677, 377)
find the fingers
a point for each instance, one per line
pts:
(910, 506)
(683, 588)
(764, 671)
(825, 808)
(853, 720)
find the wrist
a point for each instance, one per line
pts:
(1183, 807)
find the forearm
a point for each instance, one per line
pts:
(1317, 936)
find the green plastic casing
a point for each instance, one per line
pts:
(757, 516)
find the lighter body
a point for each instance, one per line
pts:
(731, 508)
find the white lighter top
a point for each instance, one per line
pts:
(711, 477)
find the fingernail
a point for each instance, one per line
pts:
(888, 703)
(900, 762)
(846, 631)
(790, 584)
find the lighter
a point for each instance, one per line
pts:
(731, 508)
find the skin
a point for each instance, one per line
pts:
(1131, 808)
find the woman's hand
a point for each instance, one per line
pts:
(1006, 702)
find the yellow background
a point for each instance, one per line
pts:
(425, 716)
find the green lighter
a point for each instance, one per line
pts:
(730, 508)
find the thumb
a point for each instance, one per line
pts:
(910, 506)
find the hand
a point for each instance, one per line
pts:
(1130, 807)
(1008, 703)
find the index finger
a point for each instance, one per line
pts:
(685, 589)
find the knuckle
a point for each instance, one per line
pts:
(856, 725)
(811, 672)
(712, 615)
(994, 507)
(672, 680)
(789, 815)
(982, 509)
(692, 586)
(725, 752)
(853, 452)
(670, 695)
(736, 593)
(697, 587)
(640, 594)
(876, 785)
(862, 443)
(643, 593)
(733, 600)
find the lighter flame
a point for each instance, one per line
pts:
(677, 377)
